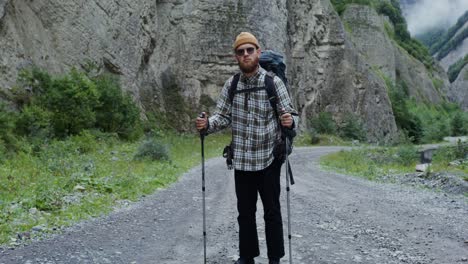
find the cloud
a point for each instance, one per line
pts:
(427, 14)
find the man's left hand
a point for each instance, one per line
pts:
(286, 120)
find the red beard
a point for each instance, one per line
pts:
(248, 66)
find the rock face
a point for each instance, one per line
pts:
(459, 89)
(174, 55)
(458, 52)
(367, 31)
(331, 74)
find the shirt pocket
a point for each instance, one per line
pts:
(262, 112)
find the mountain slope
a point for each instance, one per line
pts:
(453, 44)
(166, 49)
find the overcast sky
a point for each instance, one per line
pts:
(427, 14)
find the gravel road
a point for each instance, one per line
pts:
(335, 219)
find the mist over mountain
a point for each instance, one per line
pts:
(424, 15)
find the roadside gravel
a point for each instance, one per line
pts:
(335, 219)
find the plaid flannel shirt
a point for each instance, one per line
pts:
(253, 122)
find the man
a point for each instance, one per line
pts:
(254, 132)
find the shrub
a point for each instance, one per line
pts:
(63, 106)
(461, 150)
(84, 142)
(34, 121)
(7, 125)
(116, 112)
(323, 124)
(352, 128)
(435, 130)
(71, 99)
(152, 149)
(458, 124)
(406, 155)
(404, 119)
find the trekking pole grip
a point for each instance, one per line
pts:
(203, 131)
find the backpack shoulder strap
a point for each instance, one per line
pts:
(271, 91)
(233, 87)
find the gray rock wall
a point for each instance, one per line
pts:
(459, 90)
(367, 32)
(331, 74)
(174, 55)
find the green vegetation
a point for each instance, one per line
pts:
(399, 32)
(374, 163)
(340, 5)
(439, 121)
(423, 122)
(430, 37)
(452, 44)
(455, 69)
(323, 130)
(58, 107)
(72, 148)
(87, 175)
(448, 41)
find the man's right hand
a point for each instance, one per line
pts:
(202, 122)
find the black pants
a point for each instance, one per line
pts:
(267, 183)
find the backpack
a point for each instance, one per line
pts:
(273, 63)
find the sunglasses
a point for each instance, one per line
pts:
(241, 52)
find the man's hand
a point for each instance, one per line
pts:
(287, 120)
(202, 122)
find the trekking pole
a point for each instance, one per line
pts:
(202, 139)
(288, 199)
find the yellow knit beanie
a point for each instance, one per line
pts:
(245, 37)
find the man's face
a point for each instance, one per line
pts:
(247, 56)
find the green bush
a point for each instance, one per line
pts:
(32, 83)
(435, 130)
(116, 112)
(406, 155)
(459, 125)
(7, 126)
(447, 154)
(461, 151)
(340, 5)
(152, 149)
(352, 128)
(84, 142)
(34, 121)
(404, 119)
(71, 99)
(58, 107)
(323, 123)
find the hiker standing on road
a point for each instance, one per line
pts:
(254, 132)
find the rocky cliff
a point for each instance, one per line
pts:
(459, 89)
(174, 55)
(459, 51)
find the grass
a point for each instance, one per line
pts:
(310, 139)
(61, 185)
(365, 162)
(372, 163)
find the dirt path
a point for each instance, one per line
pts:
(335, 219)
